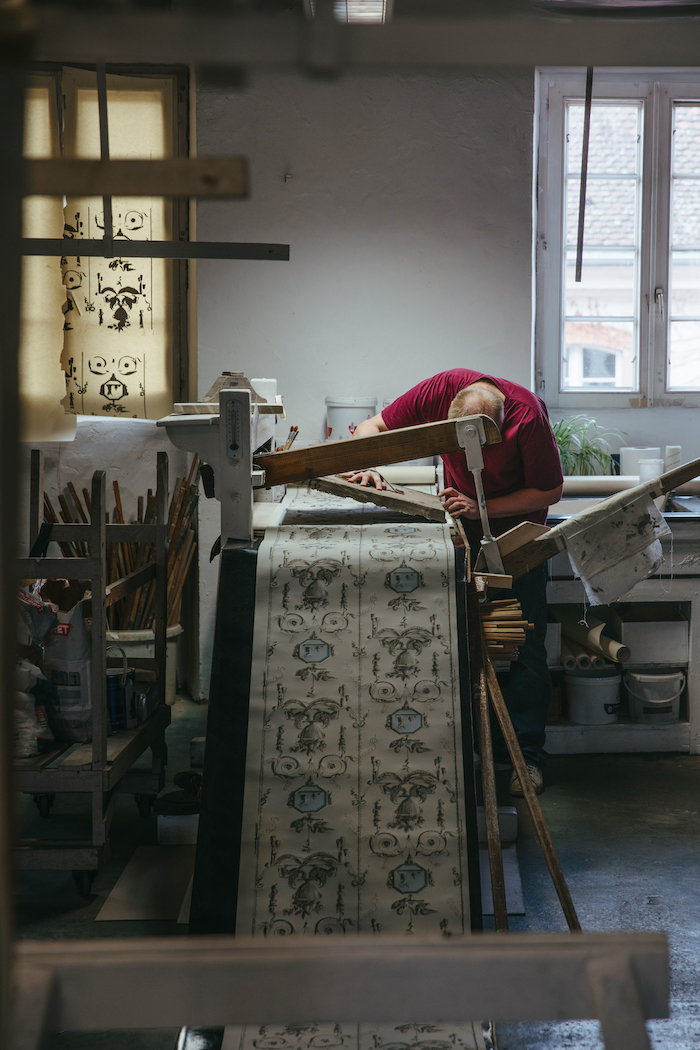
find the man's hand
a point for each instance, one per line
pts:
(368, 478)
(459, 505)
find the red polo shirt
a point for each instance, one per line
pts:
(527, 456)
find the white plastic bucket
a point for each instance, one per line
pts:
(594, 696)
(344, 415)
(654, 698)
(140, 645)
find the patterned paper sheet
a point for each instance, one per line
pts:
(354, 805)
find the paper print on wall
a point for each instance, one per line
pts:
(117, 324)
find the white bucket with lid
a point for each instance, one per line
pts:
(594, 696)
(344, 415)
(655, 699)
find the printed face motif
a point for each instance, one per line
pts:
(110, 322)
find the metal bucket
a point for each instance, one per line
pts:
(121, 695)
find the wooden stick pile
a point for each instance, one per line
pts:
(136, 611)
(503, 628)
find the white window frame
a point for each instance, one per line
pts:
(658, 89)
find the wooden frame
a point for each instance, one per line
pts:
(620, 978)
(391, 446)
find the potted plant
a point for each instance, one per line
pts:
(583, 447)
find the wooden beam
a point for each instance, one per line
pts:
(519, 560)
(491, 38)
(215, 981)
(402, 500)
(175, 177)
(101, 249)
(393, 446)
(120, 588)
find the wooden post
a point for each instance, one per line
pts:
(531, 799)
(36, 495)
(98, 666)
(493, 833)
(161, 600)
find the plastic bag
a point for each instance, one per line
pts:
(34, 703)
(67, 666)
(37, 616)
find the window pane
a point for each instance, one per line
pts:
(685, 216)
(683, 368)
(685, 284)
(686, 140)
(610, 212)
(601, 312)
(684, 355)
(613, 143)
(607, 287)
(599, 355)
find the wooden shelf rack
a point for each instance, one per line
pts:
(103, 766)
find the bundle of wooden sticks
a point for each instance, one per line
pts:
(136, 611)
(503, 628)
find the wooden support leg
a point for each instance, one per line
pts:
(159, 754)
(615, 1000)
(35, 993)
(493, 834)
(531, 799)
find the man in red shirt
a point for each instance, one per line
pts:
(522, 477)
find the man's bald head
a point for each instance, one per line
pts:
(477, 400)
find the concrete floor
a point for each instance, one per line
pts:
(626, 829)
(627, 832)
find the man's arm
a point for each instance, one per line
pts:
(368, 476)
(523, 501)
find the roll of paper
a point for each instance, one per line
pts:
(672, 457)
(581, 655)
(568, 659)
(398, 475)
(591, 636)
(630, 457)
(598, 484)
(650, 469)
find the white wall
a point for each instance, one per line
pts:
(408, 215)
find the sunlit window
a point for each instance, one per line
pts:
(627, 333)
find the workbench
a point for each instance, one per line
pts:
(679, 584)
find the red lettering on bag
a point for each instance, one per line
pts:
(62, 629)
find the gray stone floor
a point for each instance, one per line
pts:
(626, 829)
(627, 832)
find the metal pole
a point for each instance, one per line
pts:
(584, 171)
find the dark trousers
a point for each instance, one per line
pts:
(529, 686)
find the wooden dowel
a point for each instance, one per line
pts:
(533, 805)
(76, 499)
(194, 468)
(493, 834)
(88, 500)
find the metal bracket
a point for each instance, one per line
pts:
(471, 436)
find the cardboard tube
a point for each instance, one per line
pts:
(580, 655)
(591, 637)
(567, 657)
(395, 474)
